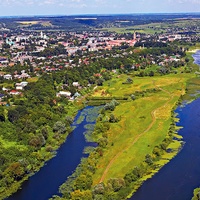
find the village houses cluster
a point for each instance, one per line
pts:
(49, 52)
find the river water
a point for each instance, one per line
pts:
(178, 179)
(196, 57)
(175, 181)
(46, 182)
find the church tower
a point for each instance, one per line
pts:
(41, 34)
(134, 36)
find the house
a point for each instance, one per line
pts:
(64, 94)
(76, 95)
(24, 83)
(21, 76)
(20, 86)
(75, 84)
(5, 89)
(14, 92)
(97, 75)
(24, 75)
(8, 77)
(3, 60)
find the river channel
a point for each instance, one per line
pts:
(175, 181)
(46, 182)
(178, 179)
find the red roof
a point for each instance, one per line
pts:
(14, 91)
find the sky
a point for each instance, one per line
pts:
(73, 7)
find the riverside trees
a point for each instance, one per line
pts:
(30, 127)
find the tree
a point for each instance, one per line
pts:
(103, 142)
(15, 170)
(151, 73)
(116, 183)
(187, 60)
(13, 115)
(83, 182)
(113, 119)
(99, 189)
(148, 159)
(2, 116)
(100, 81)
(37, 141)
(111, 106)
(81, 195)
(59, 127)
(45, 132)
(133, 97)
(129, 80)
(69, 120)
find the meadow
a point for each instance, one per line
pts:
(144, 123)
(155, 27)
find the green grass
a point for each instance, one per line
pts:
(33, 79)
(7, 144)
(130, 142)
(153, 28)
(115, 87)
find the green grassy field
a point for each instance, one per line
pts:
(132, 29)
(153, 28)
(30, 23)
(144, 122)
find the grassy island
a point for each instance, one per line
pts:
(139, 138)
(144, 125)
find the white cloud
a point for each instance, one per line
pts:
(96, 6)
(193, 1)
(184, 1)
(28, 2)
(75, 1)
(78, 5)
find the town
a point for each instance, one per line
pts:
(26, 53)
(113, 81)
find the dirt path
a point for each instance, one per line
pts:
(141, 134)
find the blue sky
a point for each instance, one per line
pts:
(70, 7)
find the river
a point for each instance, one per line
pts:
(196, 57)
(45, 183)
(177, 179)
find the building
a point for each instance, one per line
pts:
(64, 94)
(7, 77)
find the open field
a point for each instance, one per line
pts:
(30, 23)
(144, 122)
(115, 87)
(132, 29)
(158, 27)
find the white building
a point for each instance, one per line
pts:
(64, 94)
(8, 77)
(75, 84)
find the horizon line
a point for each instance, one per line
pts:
(108, 14)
